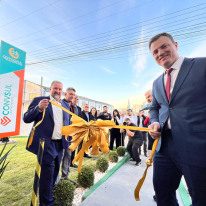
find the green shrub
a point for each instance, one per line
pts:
(63, 193)
(102, 164)
(120, 151)
(113, 156)
(86, 177)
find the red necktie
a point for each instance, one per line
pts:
(168, 83)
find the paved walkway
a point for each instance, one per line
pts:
(118, 190)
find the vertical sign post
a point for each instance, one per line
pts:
(12, 67)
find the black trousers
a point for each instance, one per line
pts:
(168, 170)
(132, 148)
(144, 135)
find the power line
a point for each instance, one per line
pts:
(39, 50)
(97, 51)
(29, 13)
(116, 38)
(67, 20)
(111, 58)
(84, 24)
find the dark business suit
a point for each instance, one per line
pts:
(103, 117)
(79, 113)
(52, 149)
(181, 150)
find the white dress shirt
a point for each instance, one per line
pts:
(58, 120)
(140, 121)
(176, 68)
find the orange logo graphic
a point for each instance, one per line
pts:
(13, 53)
(5, 120)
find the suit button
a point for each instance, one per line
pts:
(170, 108)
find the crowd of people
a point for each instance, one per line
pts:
(177, 108)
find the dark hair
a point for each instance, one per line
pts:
(127, 119)
(104, 106)
(129, 109)
(115, 110)
(71, 88)
(92, 109)
(156, 37)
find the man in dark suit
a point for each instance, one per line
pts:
(77, 109)
(67, 153)
(104, 115)
(50, 129)
(178, 111)
(87, 117)
(140, 123)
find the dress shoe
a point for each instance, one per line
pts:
(73, 165)
(145, 154)
(138, 163)
(132, 159)
(154, 197)
(87, 156)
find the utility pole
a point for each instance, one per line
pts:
(41, 86)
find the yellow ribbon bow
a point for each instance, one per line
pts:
(95, 134)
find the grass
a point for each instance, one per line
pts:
(17, 181)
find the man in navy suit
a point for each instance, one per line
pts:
(178, 111)
(50, 129)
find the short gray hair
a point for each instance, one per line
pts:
(149, 91)
(71, 88)
(156, 37)
(55, 82)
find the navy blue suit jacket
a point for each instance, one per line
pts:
(45, 129)
(186, 109)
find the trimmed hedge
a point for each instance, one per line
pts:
(102, 164)
(113, 156)
(63, 193)
(120, 151)
(86, 177)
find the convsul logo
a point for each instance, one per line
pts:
(13, 53)
(5, 120)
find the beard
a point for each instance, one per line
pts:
(56, 96)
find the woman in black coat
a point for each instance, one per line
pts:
(93, 114)
(115, 133)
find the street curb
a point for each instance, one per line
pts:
(184, 195)
(109, 174)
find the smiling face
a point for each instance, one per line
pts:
(164, 51)
(56, 90)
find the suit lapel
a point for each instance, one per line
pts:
(162, 88)
(50, 110)
(184, 70)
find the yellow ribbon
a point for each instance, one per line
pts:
(32, 133)
(149, 163)
(95, 134)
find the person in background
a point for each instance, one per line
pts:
(97, 113)
(135, 141)
(133, 118)
(115, 133)
(140, 123)
(77, 109)
(67, 153)
(123, 134)
(104, 115)
(93, 114)
(87, 117)
(148, 96)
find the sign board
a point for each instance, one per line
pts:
(12, 65)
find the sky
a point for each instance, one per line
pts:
(100, 47)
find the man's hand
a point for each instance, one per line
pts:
(155, 126)
(43, 104)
